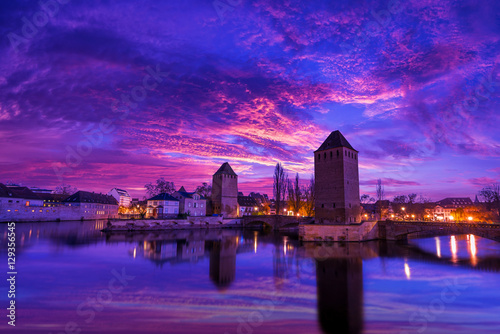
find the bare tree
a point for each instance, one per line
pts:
(491, 196)
(365, 199)
(204, 190)
(412, 198)
(380, 190)
(400, 199)
(161, 186)
(65, 189)
(309, 198)
(279, 187)
(295, 195)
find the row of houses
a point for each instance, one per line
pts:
(193, 204)
(447, 209)
(24, 204)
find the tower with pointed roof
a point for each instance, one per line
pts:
(336, 182)
(225, 192)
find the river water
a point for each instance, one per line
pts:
(72, 278)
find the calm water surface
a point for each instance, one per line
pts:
(73, 278)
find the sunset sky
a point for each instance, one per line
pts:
(106, 94)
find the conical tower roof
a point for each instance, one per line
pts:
(225, 169)
(335, 139)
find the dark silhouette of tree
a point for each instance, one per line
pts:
(365, 199)
(204, 190)
(161, 186)
(280, 180)
(65, 189)
(309, 198)
(380, 190)
(295, 195)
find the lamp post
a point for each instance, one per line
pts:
(403, 208)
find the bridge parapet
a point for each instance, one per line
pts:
(396, 230)
(274, 221)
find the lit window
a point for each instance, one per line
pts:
(27, 203)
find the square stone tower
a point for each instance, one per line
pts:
(336, 182)
(225, 192)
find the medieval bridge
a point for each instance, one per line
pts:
(274, 221)
(400, 230)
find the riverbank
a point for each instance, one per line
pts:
(128, 225)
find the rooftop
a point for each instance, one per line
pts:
(91, 197)
(163, 197)
(225, 169)
(335, 139)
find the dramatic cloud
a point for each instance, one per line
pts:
(119, 94)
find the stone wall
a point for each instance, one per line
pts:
(354, 232)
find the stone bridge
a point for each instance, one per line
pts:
(275, 222)
(399, 230)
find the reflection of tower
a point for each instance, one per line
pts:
(223, 262)
(340, 295)
(336, 181)
(225, 192)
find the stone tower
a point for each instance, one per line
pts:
(336, 182)
(225, 192)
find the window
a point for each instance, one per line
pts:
(324, 155)
(201, 204)
(189, 204)
(27, 203)
(345, 153)
(322, 205)
(319, 158)
(338, 153)
(334, 205)
(331, 154)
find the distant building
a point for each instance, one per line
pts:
(248, 205)
(93, 205)
(225, 192)
(122, 197)
(336, 182)
(12, 199)
(22, 204)
(260, 198)
(445, 208)
(163, 206)
(191, 202)
(51, 200)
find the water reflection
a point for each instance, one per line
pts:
(438, 246)
(339, 284)
(223, 262)
(453, 245)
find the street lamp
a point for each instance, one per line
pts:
(470, 218)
